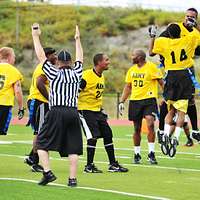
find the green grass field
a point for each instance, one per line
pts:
(176, 178)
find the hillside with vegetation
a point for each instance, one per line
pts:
(115, 31)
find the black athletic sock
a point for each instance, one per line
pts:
(31, 153)
(163, 113)
(192, 113)
(35, 158)
(109, 147)
(91, 146)
(188, 137)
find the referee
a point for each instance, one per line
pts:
(61, 129)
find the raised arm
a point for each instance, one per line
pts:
(37, 45)
(152, 34)
(79, 50)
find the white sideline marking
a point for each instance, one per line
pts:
(130, 165)
(89, 188)
(5, 142)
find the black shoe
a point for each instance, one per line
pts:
(36, 168)
(91, 168)
(72, 182)
(137, 159)
(165, 144)
(47, 178)
(116, 167)
(152, 159)
(189, 143)
(29, 161)
(160, 135)
(196, 135)
(172, 150)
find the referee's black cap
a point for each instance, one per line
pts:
(64, 56)
(49, 50)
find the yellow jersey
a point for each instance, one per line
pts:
(185, 32)
(178, 53)
(34, 93)
(90, 98)
(8, 76)
(143, 81)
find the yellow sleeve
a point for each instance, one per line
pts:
(156, 72)
(15, 75)
(40, 71)
(158, 45)
(128, 76)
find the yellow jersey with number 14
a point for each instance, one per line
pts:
(178, 53)
(90, 98)
(8, 76)
(143, 81)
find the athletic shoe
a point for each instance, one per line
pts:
(152, 159)
(165, 144)
(172, 150)
(72, 182)
(137, 159)
(28, 160)
(36, 168)
(160, 135)
(116, 167)
(91, 168)
(47, 178)
(196, 135)
(189, 143)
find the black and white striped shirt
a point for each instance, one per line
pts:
(64, 84)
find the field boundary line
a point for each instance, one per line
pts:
(90, 188)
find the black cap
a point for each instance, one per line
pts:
(64, 56)
(49, 50)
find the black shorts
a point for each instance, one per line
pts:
(95, 124)
(61, 131)
(140, 108)
(5, 118)
(37, 110)
(178, 85)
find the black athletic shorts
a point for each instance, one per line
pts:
(37, 110)
(61, 132)
(5, 118)
(178, 85)
(138, 109)
(95, 124)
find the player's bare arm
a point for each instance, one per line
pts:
(79, 50)
(36, 32)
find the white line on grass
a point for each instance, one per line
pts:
(122, 149)
(90, 188)
(130, 165)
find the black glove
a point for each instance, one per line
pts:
(21, 113)
(152, 31)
